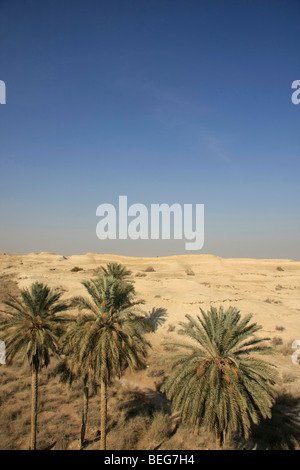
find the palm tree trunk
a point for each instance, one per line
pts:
(85, 408)
(223, 438)
(103, 415)
(220, 439)
(34, 400)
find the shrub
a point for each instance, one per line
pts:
(276, 341)
(150, 269)
(159, 431)
(126, 434)
(189, 272)
(76, 269)
(171, 327)
(286, 348)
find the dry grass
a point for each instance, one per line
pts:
(57, 421)
(137, 418)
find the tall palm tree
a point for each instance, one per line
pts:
(31, 327)
(216, 382)
(108, 336)
(116, 293)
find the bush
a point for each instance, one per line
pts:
(286, 348)
(171, 327)
(189, 272)
(276, 341)
(272, 301)
(126, 434)
(76, 269)
(150, 269)
(159, 431)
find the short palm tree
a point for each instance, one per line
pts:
(31, 328)
(216, 382)
(116, 270)
(108, 337)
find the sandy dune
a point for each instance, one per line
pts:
(268, 289)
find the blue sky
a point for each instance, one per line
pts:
(162, 101)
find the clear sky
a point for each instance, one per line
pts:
(163, 101)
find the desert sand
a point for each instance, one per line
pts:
(269, 289)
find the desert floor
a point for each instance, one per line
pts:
(268, 289)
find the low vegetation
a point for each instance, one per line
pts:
(149, 269)
(189, 271)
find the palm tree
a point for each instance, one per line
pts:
(116, 270)
(69, 373)
(109, 337)
(32, 328)
(116, 293)
(217, 382)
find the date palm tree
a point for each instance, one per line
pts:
(31, 328)
(116, 270)
(108, 336)
(216, 382)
